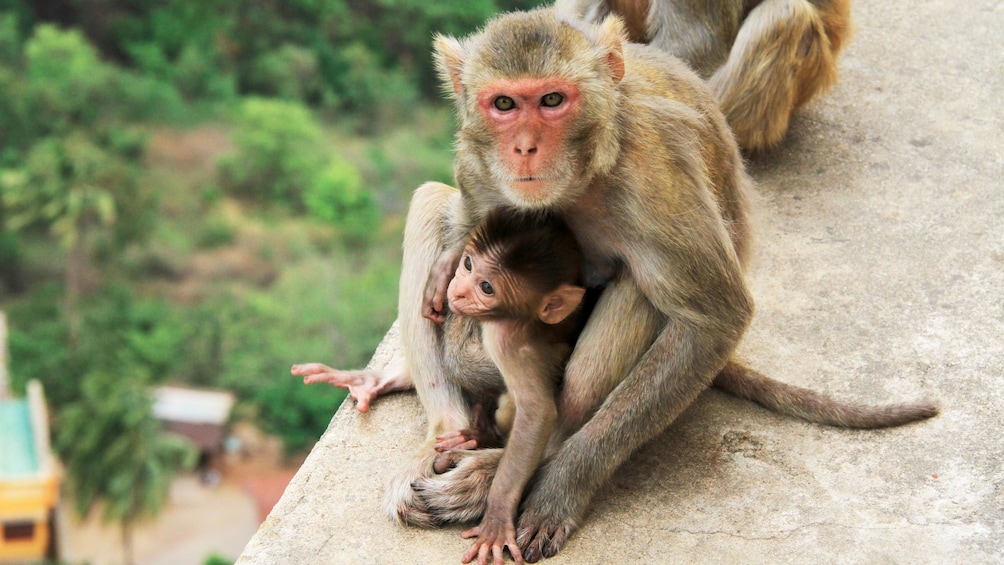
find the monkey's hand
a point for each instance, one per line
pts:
(484, 432)
(494, 534)
(363, 386)
(459, 439)
(434, 300)
(548, 516)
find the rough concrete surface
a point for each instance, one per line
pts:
(879, 275)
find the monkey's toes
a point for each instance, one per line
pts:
(452, 501)
(537, 541)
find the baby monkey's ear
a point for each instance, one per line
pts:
(560, 303)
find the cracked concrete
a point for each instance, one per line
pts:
(879, 275)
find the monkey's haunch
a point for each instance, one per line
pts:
(791, 400)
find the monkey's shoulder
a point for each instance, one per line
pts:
(652, 75)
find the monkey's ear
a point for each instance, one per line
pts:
(450, 62)
(613, 34)
(560, 303)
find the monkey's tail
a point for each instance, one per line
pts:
(746, 383)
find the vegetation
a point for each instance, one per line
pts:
(205, 192)
(114, 453)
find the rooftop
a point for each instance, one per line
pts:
(192, 406)
(17, 448)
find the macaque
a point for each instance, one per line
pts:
(763, 59)
(629, 146)
(517, 277)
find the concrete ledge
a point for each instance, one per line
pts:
(879, 275)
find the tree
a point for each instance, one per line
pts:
(64, 186)
(76, 167)
(116, 454)
(279, 152)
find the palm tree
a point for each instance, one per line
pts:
(116, 453)
(65, 185)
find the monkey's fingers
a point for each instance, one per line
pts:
(539, 538)
(304, 369)
(363, 396)
(443, 463)
(477, 548)
(517, 555)
(458, 439)
(436, 316)
(497, 553)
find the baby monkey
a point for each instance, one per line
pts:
(518, 280)
(518, 277)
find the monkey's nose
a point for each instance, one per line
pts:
(526, 150)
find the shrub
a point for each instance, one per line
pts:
(278, 152)
(337, 195)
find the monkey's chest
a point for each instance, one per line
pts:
(601, 257)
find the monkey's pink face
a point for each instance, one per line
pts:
(473, 291)
(530, 118)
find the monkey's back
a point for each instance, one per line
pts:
(665, 100)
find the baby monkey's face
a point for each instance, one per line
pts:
(476, 289)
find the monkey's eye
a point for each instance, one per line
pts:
(552, 100)
(504, 103)
(486, 287)
(467, 262)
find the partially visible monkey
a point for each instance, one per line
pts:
(518, 276)
(762, 58)
(630, 148)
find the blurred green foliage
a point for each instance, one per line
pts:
(116, 454)
(206, 192)
(279, 151)
(216, 559)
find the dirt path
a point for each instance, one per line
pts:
(197, 521)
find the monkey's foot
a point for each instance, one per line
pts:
(402, 503)
(543, 527)
(460, 494)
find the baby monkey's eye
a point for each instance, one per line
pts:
(486, 288)
(467, 262)
(551, 100)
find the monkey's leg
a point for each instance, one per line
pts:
(593, 372)
(680, 363)
(430, 215)
(363, 385)
(785, 53)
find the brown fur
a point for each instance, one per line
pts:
(763, 58)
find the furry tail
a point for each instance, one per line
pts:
(743, 382)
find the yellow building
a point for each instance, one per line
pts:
(29, 483)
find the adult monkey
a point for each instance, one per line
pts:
(762, 58)
(628, 145)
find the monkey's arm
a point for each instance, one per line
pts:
(454, 234)
(527, 371)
